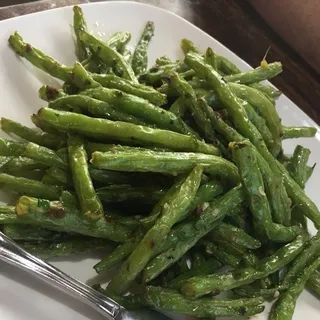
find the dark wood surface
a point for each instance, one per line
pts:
(236, 25)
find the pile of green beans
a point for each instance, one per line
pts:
(177, 171)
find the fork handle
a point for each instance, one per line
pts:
(15, 255)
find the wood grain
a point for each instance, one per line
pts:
(240, 28)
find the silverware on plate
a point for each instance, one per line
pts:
(12, 253)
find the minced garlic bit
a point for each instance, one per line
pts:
(262, 191)
(205, 205)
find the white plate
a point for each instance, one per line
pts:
(21, 295)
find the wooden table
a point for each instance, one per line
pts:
(235, 24)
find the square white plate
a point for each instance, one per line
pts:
(21, 295)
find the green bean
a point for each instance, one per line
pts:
(252, 180)
(119, 40)
(124, 250)
(171, 214)
(39, 59)
(82, 79)
(298, 132)
(208, 267)
(179, 108)
(256, 75)
(120, 253)
(314, 282)
(263, 108)
(120, 193)
(260, 124)
(81, 103)
(187, 46)
(113, 82)
(49, 93)
(220, 63)
(279, 200)
(90, 203)
(79, 24)
(129, 301)
(223, 253)
(29, 187)
(235, 235)
(7, 214)
(170, 300)
(163, 60)
(42, 139)
(284, 307)
(298, 165)
(45, 127)
(102, 129)
(155, 75)
(312, 250)
(140, 56)
(269, 91)
(185, 235)
(201, 285)
(172, 163)
(108, 55)
(32, 233)
(62, 177)
(63, 217)
(21, 164)
(61, 248)
(32, 151)
(140, 108)
(189, 99)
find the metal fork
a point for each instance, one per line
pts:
(12, 253)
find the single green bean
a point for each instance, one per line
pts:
(256, 75)
(79, 24)
(235, 235)
(29, 187)
(173, 163)
(298, 132)
(90, 203)
(114, 82)
(120, 193)
(102, 129)
(63, 217)
(101, 109)
(21, 164)
(32, 233)
(140, 56)
(298, 165)
(187, 46)
(140, 108)
(32, 151)
(43, 139)
(170, 300)
(61, 248)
